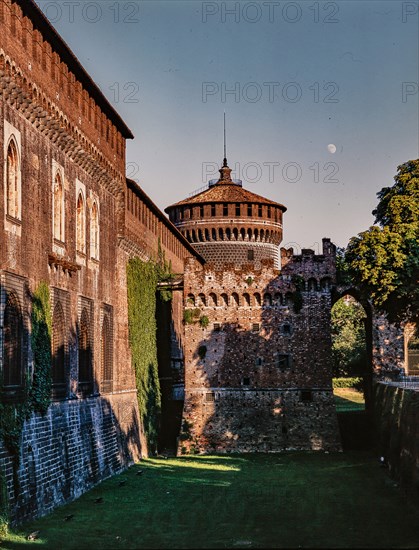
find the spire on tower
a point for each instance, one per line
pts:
(225, 147)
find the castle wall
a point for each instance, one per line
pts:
(258, 376)
(65, 131)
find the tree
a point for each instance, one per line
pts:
(384, 261)
(348, 338)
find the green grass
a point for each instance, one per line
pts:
(309, 500)
(349, 399)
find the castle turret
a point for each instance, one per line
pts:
(226, 223)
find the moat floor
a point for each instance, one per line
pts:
(298, 500)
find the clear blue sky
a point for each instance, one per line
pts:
(336, 72)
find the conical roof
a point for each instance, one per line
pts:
(226, 190)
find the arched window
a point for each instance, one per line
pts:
(201, 300)
(326, 284)
(58, 347)
(12, 181)
(81, 224)
(242, 234)
(58, 228)
(278, 299)
(213, 234)
(312, 285)
(257, 299)
(221, 234)
(228, 234)
(190, 301)
(106, 355)
(224, 300)
(12, 334)
(94, 232)
(85, 355)
(267, 300)
(235, 299)
(212, 299)
(246, 299)
(236, 234)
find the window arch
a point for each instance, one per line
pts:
(212, 299)
(12, 337)
(12, 181)
(224, 299)
(85, 354)
(94, 232)
(58, 208)
(201, 300)
(235, 299)
(81, 224)
(257, 299)
(106, 355)
(312, 285)
(246, 299)
(267, 300)
(190, 301)
(58, 347)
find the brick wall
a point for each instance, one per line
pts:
(258, 377)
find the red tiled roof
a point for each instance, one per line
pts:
(226, 192)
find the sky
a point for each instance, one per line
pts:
(293, 79)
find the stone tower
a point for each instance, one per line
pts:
(226, 223)
(257, 374)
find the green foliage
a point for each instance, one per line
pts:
(142, 279)
(40, 392)
(164, 274)
(352, 382)
(343, 274)
(348, 338)
(298, 281)
(188, 317)
(204, 321)
(249, 280)
(37, 394)
(202, 351)
(384, 261)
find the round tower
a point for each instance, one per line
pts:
(229, 224)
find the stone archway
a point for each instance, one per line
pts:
(338, 294)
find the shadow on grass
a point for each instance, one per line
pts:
(312, 500)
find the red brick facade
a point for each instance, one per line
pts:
(70, 218)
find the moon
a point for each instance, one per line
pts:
(331, 148)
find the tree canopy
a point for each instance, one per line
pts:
(384, 260)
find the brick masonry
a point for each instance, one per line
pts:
(258, 377)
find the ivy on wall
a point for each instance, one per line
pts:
(36, 395)
(37, 392)
(142, 280)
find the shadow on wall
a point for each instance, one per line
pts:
(83, 438)
(267, 375)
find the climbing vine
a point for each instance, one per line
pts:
(36, 396)
(142, 280)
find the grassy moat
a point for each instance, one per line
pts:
(290, 500)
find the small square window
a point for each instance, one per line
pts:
(259, 361)
(217, 327)
(286, 329)
(306, 396)
(210, 397)
(255, 327)
(246, 381)
(283, 361)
